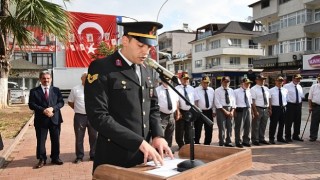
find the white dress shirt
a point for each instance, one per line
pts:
(239, 94)
(137, 68)
(220, 99)
(274, 93)
(256, 94)
(191, 94)
(43, 89)
(314, 93)
(202, 101)
(162, 99)
(292, 92)
(76, 96)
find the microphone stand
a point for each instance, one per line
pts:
(192, 115)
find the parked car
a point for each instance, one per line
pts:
(306, 84)
(13, 85)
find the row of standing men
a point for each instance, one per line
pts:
(248, 108)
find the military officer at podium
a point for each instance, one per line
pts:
(121, 102)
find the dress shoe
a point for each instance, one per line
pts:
(282, 140)
(228, 145)
(312, 139)
(246, 144)
(256, 143)
(77, 161)
(297, 139)
(57, 161)
(41, 163)
(92, 158)
(289, 140)
(264, 142)
(239, 145)
(272, 141)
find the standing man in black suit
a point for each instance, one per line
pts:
(46, 102)
(122, 104)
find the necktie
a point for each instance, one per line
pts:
(46, 95)
(169, 100)
(246, 99)
(227, 96)
(264, 97)
(297, 95)
(280, 98)
(133, 66)
(206, 98)
(186, 95)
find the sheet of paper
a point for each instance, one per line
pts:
(168, 169)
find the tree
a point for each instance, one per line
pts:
(104, 50)
(17, 18)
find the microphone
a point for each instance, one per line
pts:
(161, 70)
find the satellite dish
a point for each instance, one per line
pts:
(229, 42)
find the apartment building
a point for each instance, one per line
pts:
(225, 50)
(176, 43)
(290, 36)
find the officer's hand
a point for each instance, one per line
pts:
(150, 153)
(162, 146)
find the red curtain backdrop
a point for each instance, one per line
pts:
(89, 30)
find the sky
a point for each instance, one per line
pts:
(196, 13)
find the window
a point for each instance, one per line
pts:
(283, 1)
(198, 63)
(234, 60)
(292, 46)
(317, 15)
(274, 26)
(235, 42)
(43, 59)
(265, 3)
(292, 19)
(309, 44)
(215, 44)
(317, 43)
(270, 50)
(20, 55)
(198, 48)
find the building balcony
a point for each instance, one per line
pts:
(312, 27)
(311, 2)
(228, 67)
(266, 37)
(242, 50)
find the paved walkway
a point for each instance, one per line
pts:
(298, 160)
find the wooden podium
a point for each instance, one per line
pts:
(220, 163)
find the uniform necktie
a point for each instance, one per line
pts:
(246, 99)
(297, 95)
(264, 97)
(186, 95)
(206, 98)
(133, 66)
(46, 95)
(169, 100)
(227, 96)
(280, 98)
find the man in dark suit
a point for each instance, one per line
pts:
(46, 102)
(122, 104)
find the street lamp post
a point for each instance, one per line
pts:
(158, 36)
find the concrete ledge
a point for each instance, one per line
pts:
(6, 152)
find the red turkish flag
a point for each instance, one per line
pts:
(89, 31)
